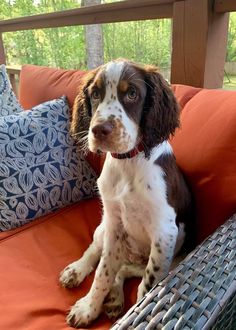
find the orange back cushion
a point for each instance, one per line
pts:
(40, 83)
(184, 93)
(205, 148)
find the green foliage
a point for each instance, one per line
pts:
(145, 41)
(60, 47)
(231, 48)
(142, 41)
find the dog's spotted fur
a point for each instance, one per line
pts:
(120, 106)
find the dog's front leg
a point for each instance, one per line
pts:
(163, 242)
(89, 307)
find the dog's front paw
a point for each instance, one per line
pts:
(114, 302)
(72, 275)
(83, 313)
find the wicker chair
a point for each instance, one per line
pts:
(200, 293)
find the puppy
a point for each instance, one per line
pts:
(128, 111)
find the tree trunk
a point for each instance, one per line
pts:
(94, 39)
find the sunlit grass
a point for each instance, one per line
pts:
(229, 82)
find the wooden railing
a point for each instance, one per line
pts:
(199, 36)
(14, 75)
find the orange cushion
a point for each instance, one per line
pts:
(184, 93)
(32, 258)
(205, 148)
(40, 83)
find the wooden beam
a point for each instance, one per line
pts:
(216, 49)
(14, 86)
(189, 42)
(2, 51)
(14, 69)
(107, 13)
(14, 75)
(199, 44)
(223, 6)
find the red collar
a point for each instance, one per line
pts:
(130, 154)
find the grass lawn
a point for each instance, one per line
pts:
(229, 82)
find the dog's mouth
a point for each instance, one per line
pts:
(115, 144)
(100, 147)
(120, 148)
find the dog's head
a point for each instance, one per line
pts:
(122, 104)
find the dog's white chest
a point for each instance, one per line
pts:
(133, 210)
(134, 218)
(131, 190)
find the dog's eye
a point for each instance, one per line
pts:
(95, 95)
(132, 93)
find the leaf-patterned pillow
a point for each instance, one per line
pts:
(8, 100)
(41, 169)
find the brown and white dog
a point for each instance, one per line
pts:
(129, 111)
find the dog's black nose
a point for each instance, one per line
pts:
(102, 130)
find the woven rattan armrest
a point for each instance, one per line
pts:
(200, 293)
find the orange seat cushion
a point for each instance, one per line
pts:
(205, 148)
(32, 258)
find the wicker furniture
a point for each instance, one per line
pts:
(198, 294)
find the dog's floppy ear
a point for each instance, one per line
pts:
(161, 112)
(82, 111)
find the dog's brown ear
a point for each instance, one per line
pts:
(161, 112)
(82, 111)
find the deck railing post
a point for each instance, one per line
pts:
(199, 44)
(12, 78)
(2, 51)
(223, 6)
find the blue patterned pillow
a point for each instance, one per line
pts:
(8, 101)
(41, 169)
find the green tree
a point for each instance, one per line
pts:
(93, 39)
(144, 41)
(231, 48)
